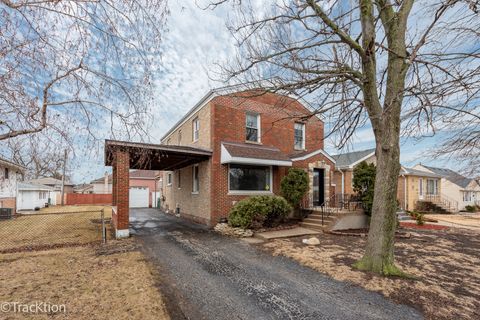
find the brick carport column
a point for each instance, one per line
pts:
(121, 192)
(114, 184)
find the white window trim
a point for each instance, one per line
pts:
(304, 129)
(193, 179)
(195, 128)
(435, 187)
(169, 179)
(251, 192)
(259, 129)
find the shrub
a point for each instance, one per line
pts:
(364, 184)
(294, 186)
(420, 219)
(470, 208)
(256, 212)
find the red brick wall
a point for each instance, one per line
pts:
(9, 203)
(78, 198)
(277, 129)
(121, 169)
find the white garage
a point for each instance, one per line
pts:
(30, 196)
(139, 197)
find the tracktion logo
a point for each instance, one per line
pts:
(34, 307)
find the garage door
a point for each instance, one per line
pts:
(139, 197)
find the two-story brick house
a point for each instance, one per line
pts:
(254, 139)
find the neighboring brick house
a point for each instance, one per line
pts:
(10, 175)
(254, 139)
(413, 185)
(344, 165)
(143, 185)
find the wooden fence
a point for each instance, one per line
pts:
(90, 198)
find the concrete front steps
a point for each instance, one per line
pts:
(330, 220)
(314, 222)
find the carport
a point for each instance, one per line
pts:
(124, 155)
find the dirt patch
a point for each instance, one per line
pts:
(445, 262)
(113, 282)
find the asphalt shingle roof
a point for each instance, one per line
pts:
(347, 159)
(451, 175)
(244, 150)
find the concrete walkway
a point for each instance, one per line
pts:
(204, 275)
(294, 232)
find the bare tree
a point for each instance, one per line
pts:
(41, 154)
(90, 62)
(390, 64)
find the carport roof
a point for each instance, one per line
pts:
(147, 156)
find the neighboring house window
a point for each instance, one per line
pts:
(196, 129)
(467, 196)
(253, 127)
(42, 195)
(6, 173)
(249, 178)
(299, 136)
(179, 179)
(179, 137)
(420, 186)
(196, 184)
(169, 179)
(432, 186)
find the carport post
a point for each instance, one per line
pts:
(121, 192)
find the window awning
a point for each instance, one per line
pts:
(244, 153)
(148, 156)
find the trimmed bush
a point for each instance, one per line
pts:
(259, 211)
(294, 186)
(364, 184)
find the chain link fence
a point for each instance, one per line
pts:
(54, 227)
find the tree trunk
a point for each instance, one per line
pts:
(379, 251)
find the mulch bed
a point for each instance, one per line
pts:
(412, 225)
(363, 233)
(284, 226)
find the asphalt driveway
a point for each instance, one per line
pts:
(207, 276)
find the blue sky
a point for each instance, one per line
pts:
(195, 40)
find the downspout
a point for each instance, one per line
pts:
(343, 182)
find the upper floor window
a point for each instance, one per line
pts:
(196, 129)
(179, 137)
(168, 141)
(253, 127)
(6, 173)
(299, 136)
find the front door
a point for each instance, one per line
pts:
(318, 187)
